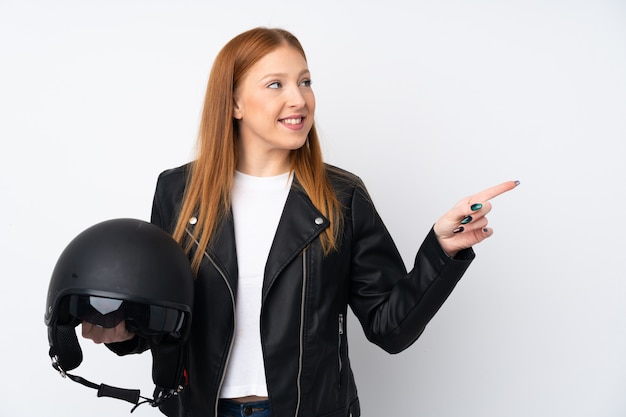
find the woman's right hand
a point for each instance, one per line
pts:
(100, 334)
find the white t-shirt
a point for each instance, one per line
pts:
(257, 204)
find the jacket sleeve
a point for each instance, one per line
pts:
(393, 305)
(137, 344)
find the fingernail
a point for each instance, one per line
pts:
(458, 229)
(485, 230)
(476, 206)
(466, 220)
(517, 183)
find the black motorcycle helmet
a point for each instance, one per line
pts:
(123, 270)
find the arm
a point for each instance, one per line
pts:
(392, 305)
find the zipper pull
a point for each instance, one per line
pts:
(340, 323)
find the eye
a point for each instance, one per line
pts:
(306, 83)
(275, 84)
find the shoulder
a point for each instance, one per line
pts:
(173, 180)
(171, 185)
(176, 174)
(346, 184)
(342, 179)
(168, 196)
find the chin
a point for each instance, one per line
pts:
(298, 145)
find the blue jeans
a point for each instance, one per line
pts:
(228, 408)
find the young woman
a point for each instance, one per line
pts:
(282, 244)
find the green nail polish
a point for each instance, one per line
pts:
(466, 220)
(476, 206)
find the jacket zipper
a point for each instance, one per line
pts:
(232, 299)
(341, 332)
(300, 354)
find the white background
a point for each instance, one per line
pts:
(426, 101)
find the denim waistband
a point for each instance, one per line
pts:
(230, 408)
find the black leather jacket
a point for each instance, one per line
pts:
(305, 300)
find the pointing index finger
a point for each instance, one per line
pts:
(496, 190)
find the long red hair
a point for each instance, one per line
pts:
(207, 194)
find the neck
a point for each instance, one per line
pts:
(267, 165)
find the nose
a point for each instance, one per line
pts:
(295, 97)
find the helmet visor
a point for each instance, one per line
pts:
(141, 318)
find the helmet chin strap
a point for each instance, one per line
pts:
(133, 396)
(70, 356)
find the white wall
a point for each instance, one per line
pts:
(427, 103)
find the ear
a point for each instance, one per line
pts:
(236, 110)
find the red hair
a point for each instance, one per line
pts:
(207, 194)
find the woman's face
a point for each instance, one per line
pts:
(274, 107)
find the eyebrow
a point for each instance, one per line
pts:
(282, 75)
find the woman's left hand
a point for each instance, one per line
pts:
(465, 224)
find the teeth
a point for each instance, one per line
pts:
(293, 121)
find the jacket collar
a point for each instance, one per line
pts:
(299, 225)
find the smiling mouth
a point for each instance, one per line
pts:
(296, 121)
